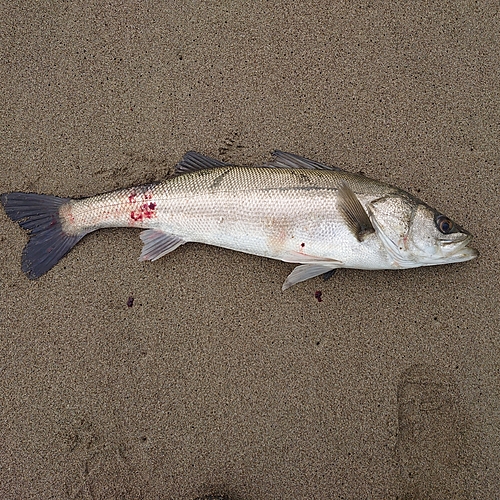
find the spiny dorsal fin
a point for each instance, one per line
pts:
(354, 214)
(193, 161)
(289, 160)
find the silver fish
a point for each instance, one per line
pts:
(292, 209)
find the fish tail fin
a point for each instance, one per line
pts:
(39, 214)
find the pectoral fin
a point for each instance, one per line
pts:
(306, 271)
(354, 214)
(157, 244)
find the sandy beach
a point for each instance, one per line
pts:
(196, 375)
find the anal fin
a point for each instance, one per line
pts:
(158, 243)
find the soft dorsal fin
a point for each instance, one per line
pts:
(289, 160)
(354, 214)
(193, 161)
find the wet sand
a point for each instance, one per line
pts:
(214, 381)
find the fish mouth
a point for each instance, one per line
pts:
(457, 250)
(464, 255)
(463, 238)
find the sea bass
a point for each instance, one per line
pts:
(291, 209)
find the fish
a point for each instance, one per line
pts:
(291, 209)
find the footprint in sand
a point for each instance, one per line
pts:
(104, 470)
(430, 448)
(108, 476)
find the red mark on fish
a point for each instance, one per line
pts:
(145, 211)
(317, 295)
(132, 197)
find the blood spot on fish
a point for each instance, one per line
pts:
(403, 242)
(317, 295)
(145, 211)
(148, 195)
(132, 197)
(302, 245)
(130, 301)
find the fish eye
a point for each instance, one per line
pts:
(444, 224)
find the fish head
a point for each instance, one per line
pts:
(415, 234)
